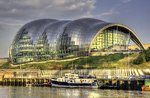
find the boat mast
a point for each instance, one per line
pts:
(71, 67)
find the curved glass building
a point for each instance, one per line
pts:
(48, 39)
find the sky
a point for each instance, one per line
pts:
(15, 13)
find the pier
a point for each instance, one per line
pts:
(24, 81)
(124, 84)
(23, 77)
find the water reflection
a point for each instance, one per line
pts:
(48, 92)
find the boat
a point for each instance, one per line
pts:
(72, 80)
(47, 84)
(146, 86)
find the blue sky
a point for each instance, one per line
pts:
(15, 13)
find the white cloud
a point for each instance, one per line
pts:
(110, 12)
(9, 24)
(31, 9)
(8, 27)
(125, 1)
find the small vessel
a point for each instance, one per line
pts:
(146, 87)
(47, 84)
(74, 80)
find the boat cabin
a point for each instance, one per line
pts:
(71, 75)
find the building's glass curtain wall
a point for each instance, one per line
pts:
(50, 39)
(42, 49)
(23, 50)
(110, 38)
(65, 48)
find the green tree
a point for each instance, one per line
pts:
(141, 59)
(147, 55)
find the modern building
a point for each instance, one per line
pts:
(50, 39)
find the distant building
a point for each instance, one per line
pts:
(135, 47)
(4, 60)
(50, 39)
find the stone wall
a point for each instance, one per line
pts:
(8, 73)
(98, 72)
(20, 70)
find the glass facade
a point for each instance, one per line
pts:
(23, 48)
(50, 39)
(109, 38)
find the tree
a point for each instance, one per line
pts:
(147, 55)
(141, 59)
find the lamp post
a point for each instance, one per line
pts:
(128, 58)
(20, 63)
(128, 49)
(86, 63)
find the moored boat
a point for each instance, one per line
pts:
(47, 84)
(146, 87)
(74, 80)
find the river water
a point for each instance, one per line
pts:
(51, 92)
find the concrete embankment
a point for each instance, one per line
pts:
(6, 73)
(98, 72)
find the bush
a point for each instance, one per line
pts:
(143, 57)
(147, 55)
(139, 60)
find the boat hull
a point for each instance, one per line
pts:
(73, 85)
(145, 88)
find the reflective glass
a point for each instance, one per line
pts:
(47, 39)
(110, 38)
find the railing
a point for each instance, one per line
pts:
(118, 51)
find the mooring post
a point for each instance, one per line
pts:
(10, 81)
(110, 82)
(126, 85)
(129, 84)
(118, 83)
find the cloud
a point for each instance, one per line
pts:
(3, 28)
(116, 9)
(9, 24)
(31, 9)
(125, 1)
(110, 12)
(7, 27)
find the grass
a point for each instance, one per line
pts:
(111, 61)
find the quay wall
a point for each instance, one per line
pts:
(98, 72)
(53, 73)
(10, 73)
(19, 70)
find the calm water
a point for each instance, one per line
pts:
(49, 92)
